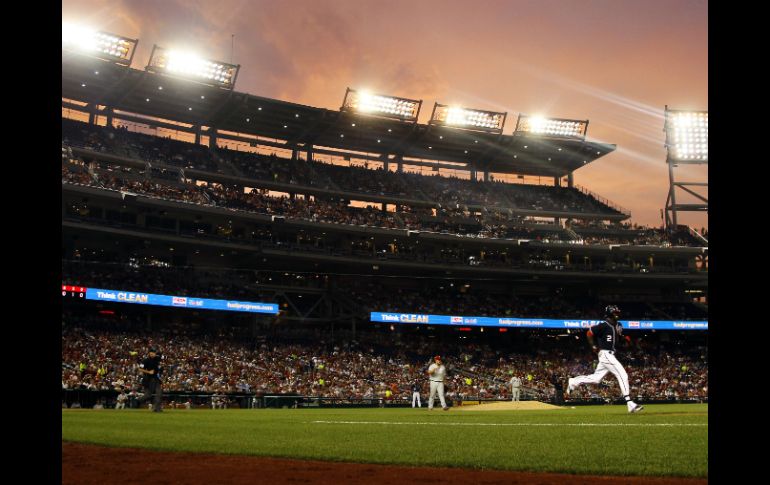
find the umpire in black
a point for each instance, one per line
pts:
(151, 370)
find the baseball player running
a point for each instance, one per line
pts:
(437, 373)
(606, 335)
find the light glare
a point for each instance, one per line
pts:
(90, 41)
(553, 127)
(366, 102)
(189, 64)
(468, 118)
(687, 135)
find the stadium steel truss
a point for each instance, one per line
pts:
(686, 144)
(112, 90)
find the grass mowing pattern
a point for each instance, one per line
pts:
(611, 450)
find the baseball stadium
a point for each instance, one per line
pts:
(257, 290)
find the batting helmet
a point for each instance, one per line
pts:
(611, 311)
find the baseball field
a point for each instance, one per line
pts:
(662, 441)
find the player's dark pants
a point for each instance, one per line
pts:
(152, 388)
(559, 396)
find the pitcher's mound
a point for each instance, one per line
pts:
(507, 406)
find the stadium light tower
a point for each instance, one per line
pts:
(190, 66)
(552, 127)
(379, 105)
(687, 143)
(103, 45)
(469, 119)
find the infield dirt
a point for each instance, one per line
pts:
(88, 464)
(508, 406)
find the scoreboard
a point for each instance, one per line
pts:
(73, 291)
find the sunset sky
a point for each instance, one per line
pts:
(616, 63)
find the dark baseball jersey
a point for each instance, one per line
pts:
(415, 388)
(151, 363)
(606, 335)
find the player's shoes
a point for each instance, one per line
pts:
(570, 386)
(445, 408)
(635, 408)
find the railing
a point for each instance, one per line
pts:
(87, 399)
(695, 234)
(572, 234)
(604, 201)
(222, 162)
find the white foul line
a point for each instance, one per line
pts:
(508, 424)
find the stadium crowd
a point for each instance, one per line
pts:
(449, 192)
(105, 356)
(490, 224)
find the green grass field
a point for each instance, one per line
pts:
(662, 440)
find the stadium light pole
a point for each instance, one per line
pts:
(686, 144)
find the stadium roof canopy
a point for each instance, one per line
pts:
(124, 89)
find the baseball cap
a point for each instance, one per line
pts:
(438, 357)
(153, 349)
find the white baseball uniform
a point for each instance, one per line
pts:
(607, 363)
(436, 384)
(416, 396)
(606, 335)
(515, 385)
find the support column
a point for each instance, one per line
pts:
(557, 181)
(672, 196)
(212, 137)
(110, 113)
(486, 175)
(91, 114)
(571, 179)
(197, 134)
